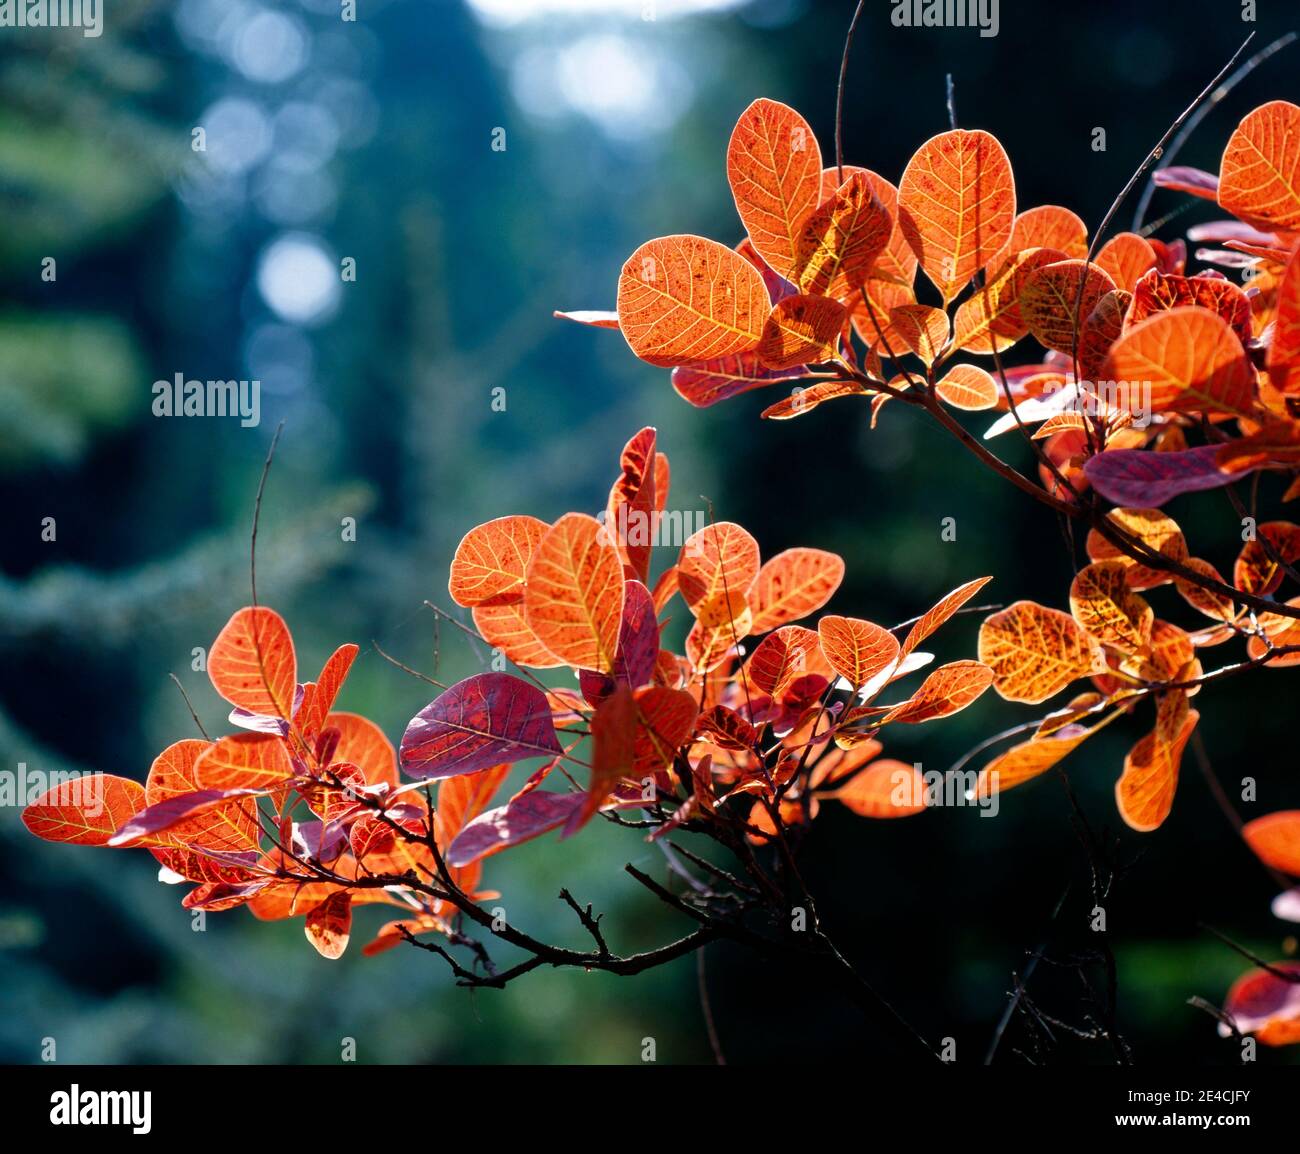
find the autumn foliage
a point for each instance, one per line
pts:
(1137, 381)
(1145, 381)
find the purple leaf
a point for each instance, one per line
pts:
(525, 816)
(490, 719)
(1138, 477)
(709, 382)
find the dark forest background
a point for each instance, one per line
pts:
(372, 140)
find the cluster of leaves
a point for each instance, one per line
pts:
(1149, 381)
(305, 813)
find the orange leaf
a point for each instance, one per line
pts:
(1154, 529)
(1029, 759)
(505, 627)
(665, 719)
(803, 400)
(1049, 296)
(792, 585)
(918, 329)
(1204, 600)
(1048, 226)
(491, 561)
(318, 698)
(839, 242)
(1275, 839)
(1035, 652)
(1255, 570)
(957, 204)
(896, 266)
(1103, 604)
(1191, 359)
(949, 689)
(252, 663)
(774, 169)
(857, 650)
(573, 600)
(801, 330)
(886, 788)
(1124, 258)
(87, 810)
(1284, 352)
(1104, 326)
(718, 563)
(245, 761)
(968, 387)
(684, 299)
(1259, 177)
(363, 744)
(1145, 792)
(941, 612)
(991, 315)
(329, 925)
(1158, 292)
(782, 656)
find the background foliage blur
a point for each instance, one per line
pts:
(372, 140)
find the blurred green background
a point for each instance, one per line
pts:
(372, 140)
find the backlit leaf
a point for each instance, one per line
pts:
(1259, 176)
(793, 584)
(329, 925)
(956, 205)
(86, 810)
(1145, 792)
(632, 508)
(949, 689)
(1154, 529)
(1124, 258)
(573, 599)
(1275, 840)
(803, 399)
(485, 720)
(492, 559)
(857, 650)
(801, 330)
(780, 657)
(709, 382)
(943, 611)
(1158, 292)
(363, 744)
(252, 663)
(1284, 352)
(839, 242)
(1191, 359)
(1049, 298)
(719, 562)
(991, 315)
(1103, 603)
(968, 387)
(506, 627)
(774, 167)
(1035, 652)
(884, 789)
(685, 299)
